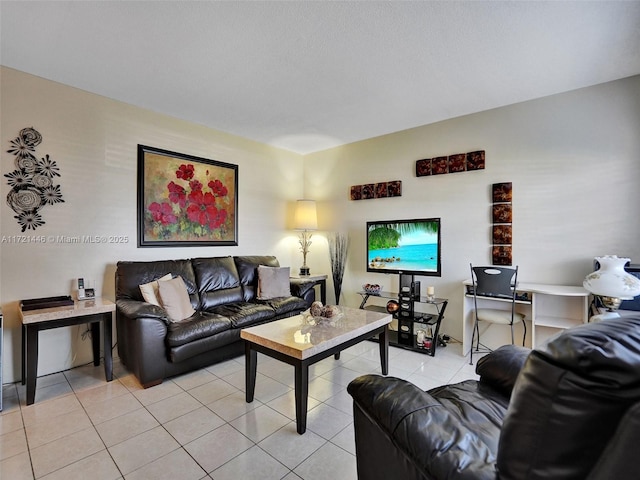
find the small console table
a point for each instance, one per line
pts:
(405, 336)
(549, 308)
(86, 311)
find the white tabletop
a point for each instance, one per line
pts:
(561, 290)
(295, 338)
(78, 309)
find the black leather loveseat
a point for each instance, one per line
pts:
(567, 411)
(223, 293)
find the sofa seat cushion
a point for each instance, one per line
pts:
(477, 405)
(244, 314)
(283, 305)
(200, 325)
(427, 427)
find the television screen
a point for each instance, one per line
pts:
(404, 246)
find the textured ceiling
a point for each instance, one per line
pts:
(307, 76)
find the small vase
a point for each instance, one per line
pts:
(611, 279)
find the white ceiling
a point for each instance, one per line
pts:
(307, 76)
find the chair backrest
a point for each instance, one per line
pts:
(490, 281)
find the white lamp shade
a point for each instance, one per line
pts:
(305, 216)
(611, 280)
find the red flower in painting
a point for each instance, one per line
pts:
(177, 194)
(185, 172)
(218, 220)
(195, 185)
(218, 188)
(163, 213)
(202, 207)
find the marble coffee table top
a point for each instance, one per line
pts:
(295, 337)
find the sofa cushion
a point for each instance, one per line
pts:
(243, 314)
(273, 282)
(130, 275)
(283, 305)
(218, 281)
(200, 325)
(428, 429)
(174, 298)
(247, 266)
(150, 290)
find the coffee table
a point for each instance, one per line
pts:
(292, 340)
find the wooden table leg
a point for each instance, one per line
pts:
(250, 365)
(383, 340)
(32, 363)
(24, 354)
(95, 342)
(108, 356)
(301, 394)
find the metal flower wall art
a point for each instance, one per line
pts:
(31, 182)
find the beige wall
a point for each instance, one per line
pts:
(573, 160)
(94, 142)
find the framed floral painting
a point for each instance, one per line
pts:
(185, 201)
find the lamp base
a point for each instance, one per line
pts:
(304, 271)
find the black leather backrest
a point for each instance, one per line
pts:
(130, 275)
(248, 270)
(218, 281)
(569, 399)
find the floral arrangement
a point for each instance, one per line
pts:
(190, 207)
(31, 182)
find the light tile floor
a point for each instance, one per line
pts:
(198, 425)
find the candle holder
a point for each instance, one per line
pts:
(431, 294)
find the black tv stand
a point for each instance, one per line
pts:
(405, 336)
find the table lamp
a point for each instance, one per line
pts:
(612, 284)
(305, 220)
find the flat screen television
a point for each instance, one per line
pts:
(409, 247)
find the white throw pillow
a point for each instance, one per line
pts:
(273, 282)
(150, 290)
(175, 299)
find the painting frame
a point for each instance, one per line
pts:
(185, 200)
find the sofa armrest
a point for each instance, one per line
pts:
(300, 286)
(501, 368)
(137, 309)
(428, 438)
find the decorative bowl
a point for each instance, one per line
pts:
(371, 289)
(312, 320)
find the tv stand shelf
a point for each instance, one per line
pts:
(406, 335)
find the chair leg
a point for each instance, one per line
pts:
(524, 337)
(473, 335)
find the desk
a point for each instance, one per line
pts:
(549, 308)
(320, 280)
(86, 311)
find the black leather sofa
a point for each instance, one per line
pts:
(568, 410)
(222, 290)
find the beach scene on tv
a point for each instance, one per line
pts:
(403, 246)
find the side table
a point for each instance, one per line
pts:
(85, 311)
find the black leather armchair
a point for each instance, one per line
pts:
(568, 410)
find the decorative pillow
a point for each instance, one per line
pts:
(273, 282)
(150, 290)
(175, 299)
